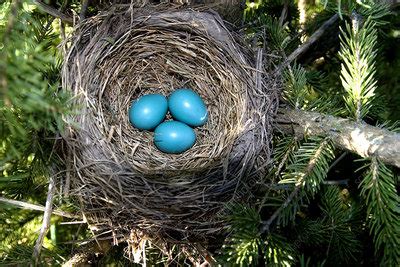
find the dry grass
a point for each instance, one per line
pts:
(124, 183)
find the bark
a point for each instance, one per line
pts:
(360, 138)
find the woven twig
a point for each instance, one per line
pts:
(124, 183)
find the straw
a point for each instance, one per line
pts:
(124, 183)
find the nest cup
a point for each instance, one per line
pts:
(124, 183)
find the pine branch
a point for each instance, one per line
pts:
(295, 86)
(379, 191)
(339, 217)
(359, 138)
(357, 50)
(266, 225)
(283, 152)
(312, 172)
(11, 21)
(33, 104)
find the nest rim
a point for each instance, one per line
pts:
(213, 169)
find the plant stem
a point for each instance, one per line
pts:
(46, 221)
(29, 206)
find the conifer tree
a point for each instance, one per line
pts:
(323, 213)
(322, 203)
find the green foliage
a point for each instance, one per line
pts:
(278, 251)
(304, 89)
(383, 213)
(307, 170)
(340, 219)
(388, 66)
(295, 91)
(278, 35)
(307, 262)
(31, 110)
(271, 28)
(358, 69)
(375, 10)
(21, 253)
(334, 232)
(31, 106)
(18, 235)
(283, 152)
(17, 225)
(246, 247)
(243, 245)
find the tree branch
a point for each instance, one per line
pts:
(30, 206)
(53, 12)
(305, 46)
(360, 138)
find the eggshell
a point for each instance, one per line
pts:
(148, 111)
(187, 106)
(174, 137)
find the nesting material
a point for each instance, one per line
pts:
(123, 181)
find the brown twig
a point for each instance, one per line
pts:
(53, 12)
(46, 221)
(62, 27)
(67, 174)
(86, 251)
(121, 197)
(305, 46)
(340, 158)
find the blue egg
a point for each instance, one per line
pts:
(147, 112)
(187, 106)
(174, 137)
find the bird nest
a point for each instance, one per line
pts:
(123, 182)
